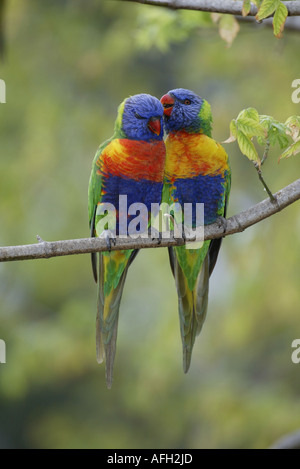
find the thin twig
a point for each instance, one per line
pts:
(235, 224)
(215, 6)
(266, 152)
(258, 169)
(272, 197)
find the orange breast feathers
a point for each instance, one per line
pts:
(189, 155)
(133, 159)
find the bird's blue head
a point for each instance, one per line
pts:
(140, 117)
(185, 110)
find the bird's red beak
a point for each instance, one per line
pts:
(154, 125)
(168, 102)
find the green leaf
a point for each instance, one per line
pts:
(246, 7)
(250, 112)
(262, 140)
(291, 150)
(233, 128)
(279, 19)
(278, 137)
(266, 121)
(247, 147)
(251, 127)
(267, 8)
(249, 123)
(276, 131)
(277, 134)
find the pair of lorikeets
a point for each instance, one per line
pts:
(188, 167)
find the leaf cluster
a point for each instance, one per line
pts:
(267, 8)
(267, 131)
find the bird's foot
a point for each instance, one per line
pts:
(109, 237)
(177, 227)
(222, 223)
(184, 233)
(155, 234)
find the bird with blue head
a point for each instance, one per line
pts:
(131, 163)
(196, 171)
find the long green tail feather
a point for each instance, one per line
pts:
(192, 306)
(108, 316)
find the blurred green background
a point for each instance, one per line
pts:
(68, 66)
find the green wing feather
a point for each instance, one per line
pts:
(94, 197)
(95, 183)
(215, 244)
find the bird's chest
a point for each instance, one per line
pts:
(133, 170)
(188, 156)
(135, 160)
(196, 173)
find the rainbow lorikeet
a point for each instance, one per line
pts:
(197, 171)
(130, 163)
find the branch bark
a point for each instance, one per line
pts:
(235, 224)
(215, 6)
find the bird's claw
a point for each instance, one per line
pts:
(109, 237)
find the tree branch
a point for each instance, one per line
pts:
(215, 6)
(235, 224)
(291, 441)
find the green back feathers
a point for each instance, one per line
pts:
(118, 130)
(95, 185)
(205, 116)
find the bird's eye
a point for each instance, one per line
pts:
(138, 116)
(187, 101)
